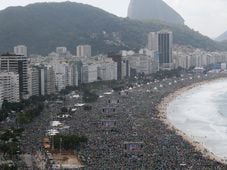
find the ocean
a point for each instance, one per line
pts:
(201, 113)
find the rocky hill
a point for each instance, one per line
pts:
(44, 26)
(144, 10)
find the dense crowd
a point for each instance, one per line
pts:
(136, 120)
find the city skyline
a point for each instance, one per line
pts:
(118, 101)
(196, 16)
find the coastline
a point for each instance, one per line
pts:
(162, 115)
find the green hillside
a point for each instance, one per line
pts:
(44, 26)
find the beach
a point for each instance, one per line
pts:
(163, 115)
(134, 122)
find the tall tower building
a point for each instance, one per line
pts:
(83, 51)
(21, 50)
(165, 43)
(162, 42)
(19, 65)
(33, 83)
(47, 80)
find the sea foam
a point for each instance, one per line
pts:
(200, 113)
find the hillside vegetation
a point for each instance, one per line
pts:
(44, 26)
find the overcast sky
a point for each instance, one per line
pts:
(206, 16)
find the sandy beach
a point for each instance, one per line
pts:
(162, 108)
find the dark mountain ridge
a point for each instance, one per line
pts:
(44, 26)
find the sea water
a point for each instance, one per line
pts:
(201, 113)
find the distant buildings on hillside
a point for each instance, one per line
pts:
(21, 50)
(23, 75)
(83, 51)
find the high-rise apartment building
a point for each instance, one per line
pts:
(107, 69)
(153, 41)
(10, 86)
(19, 65)
(165, 43)
(89, 72)
(123, 68)
(33, 81)
(162, 42)
(41, 80)
(21, 50)
(60, 81)
(47, 80)
(83, 51)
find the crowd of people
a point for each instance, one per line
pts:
(137, 121)
(130, 135)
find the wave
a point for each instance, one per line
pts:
(198, 114)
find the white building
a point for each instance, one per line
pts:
(66, 74)
(33, 81)
(141, 63)
(152, 41)
(107, 69)
(89, 72)
(83, 51)
(61, 50)
(60, 81)
(187, 57)
(19, 65)
(10, 86)
(21, 50)
(47, 80)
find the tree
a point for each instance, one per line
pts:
(89, 97)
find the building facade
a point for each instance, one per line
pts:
(33, 83)
(83, 51)
(19, 65)
(10, 86)
(47, 80)
(89, 72)
(21, 50)
(162, 41)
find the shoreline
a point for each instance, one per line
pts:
(162, 115)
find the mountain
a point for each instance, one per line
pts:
(222, 37)
(144, 10)
(44, 26)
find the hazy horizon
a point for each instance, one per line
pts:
(196, 16)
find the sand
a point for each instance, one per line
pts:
(67, 160)
(162, 108)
